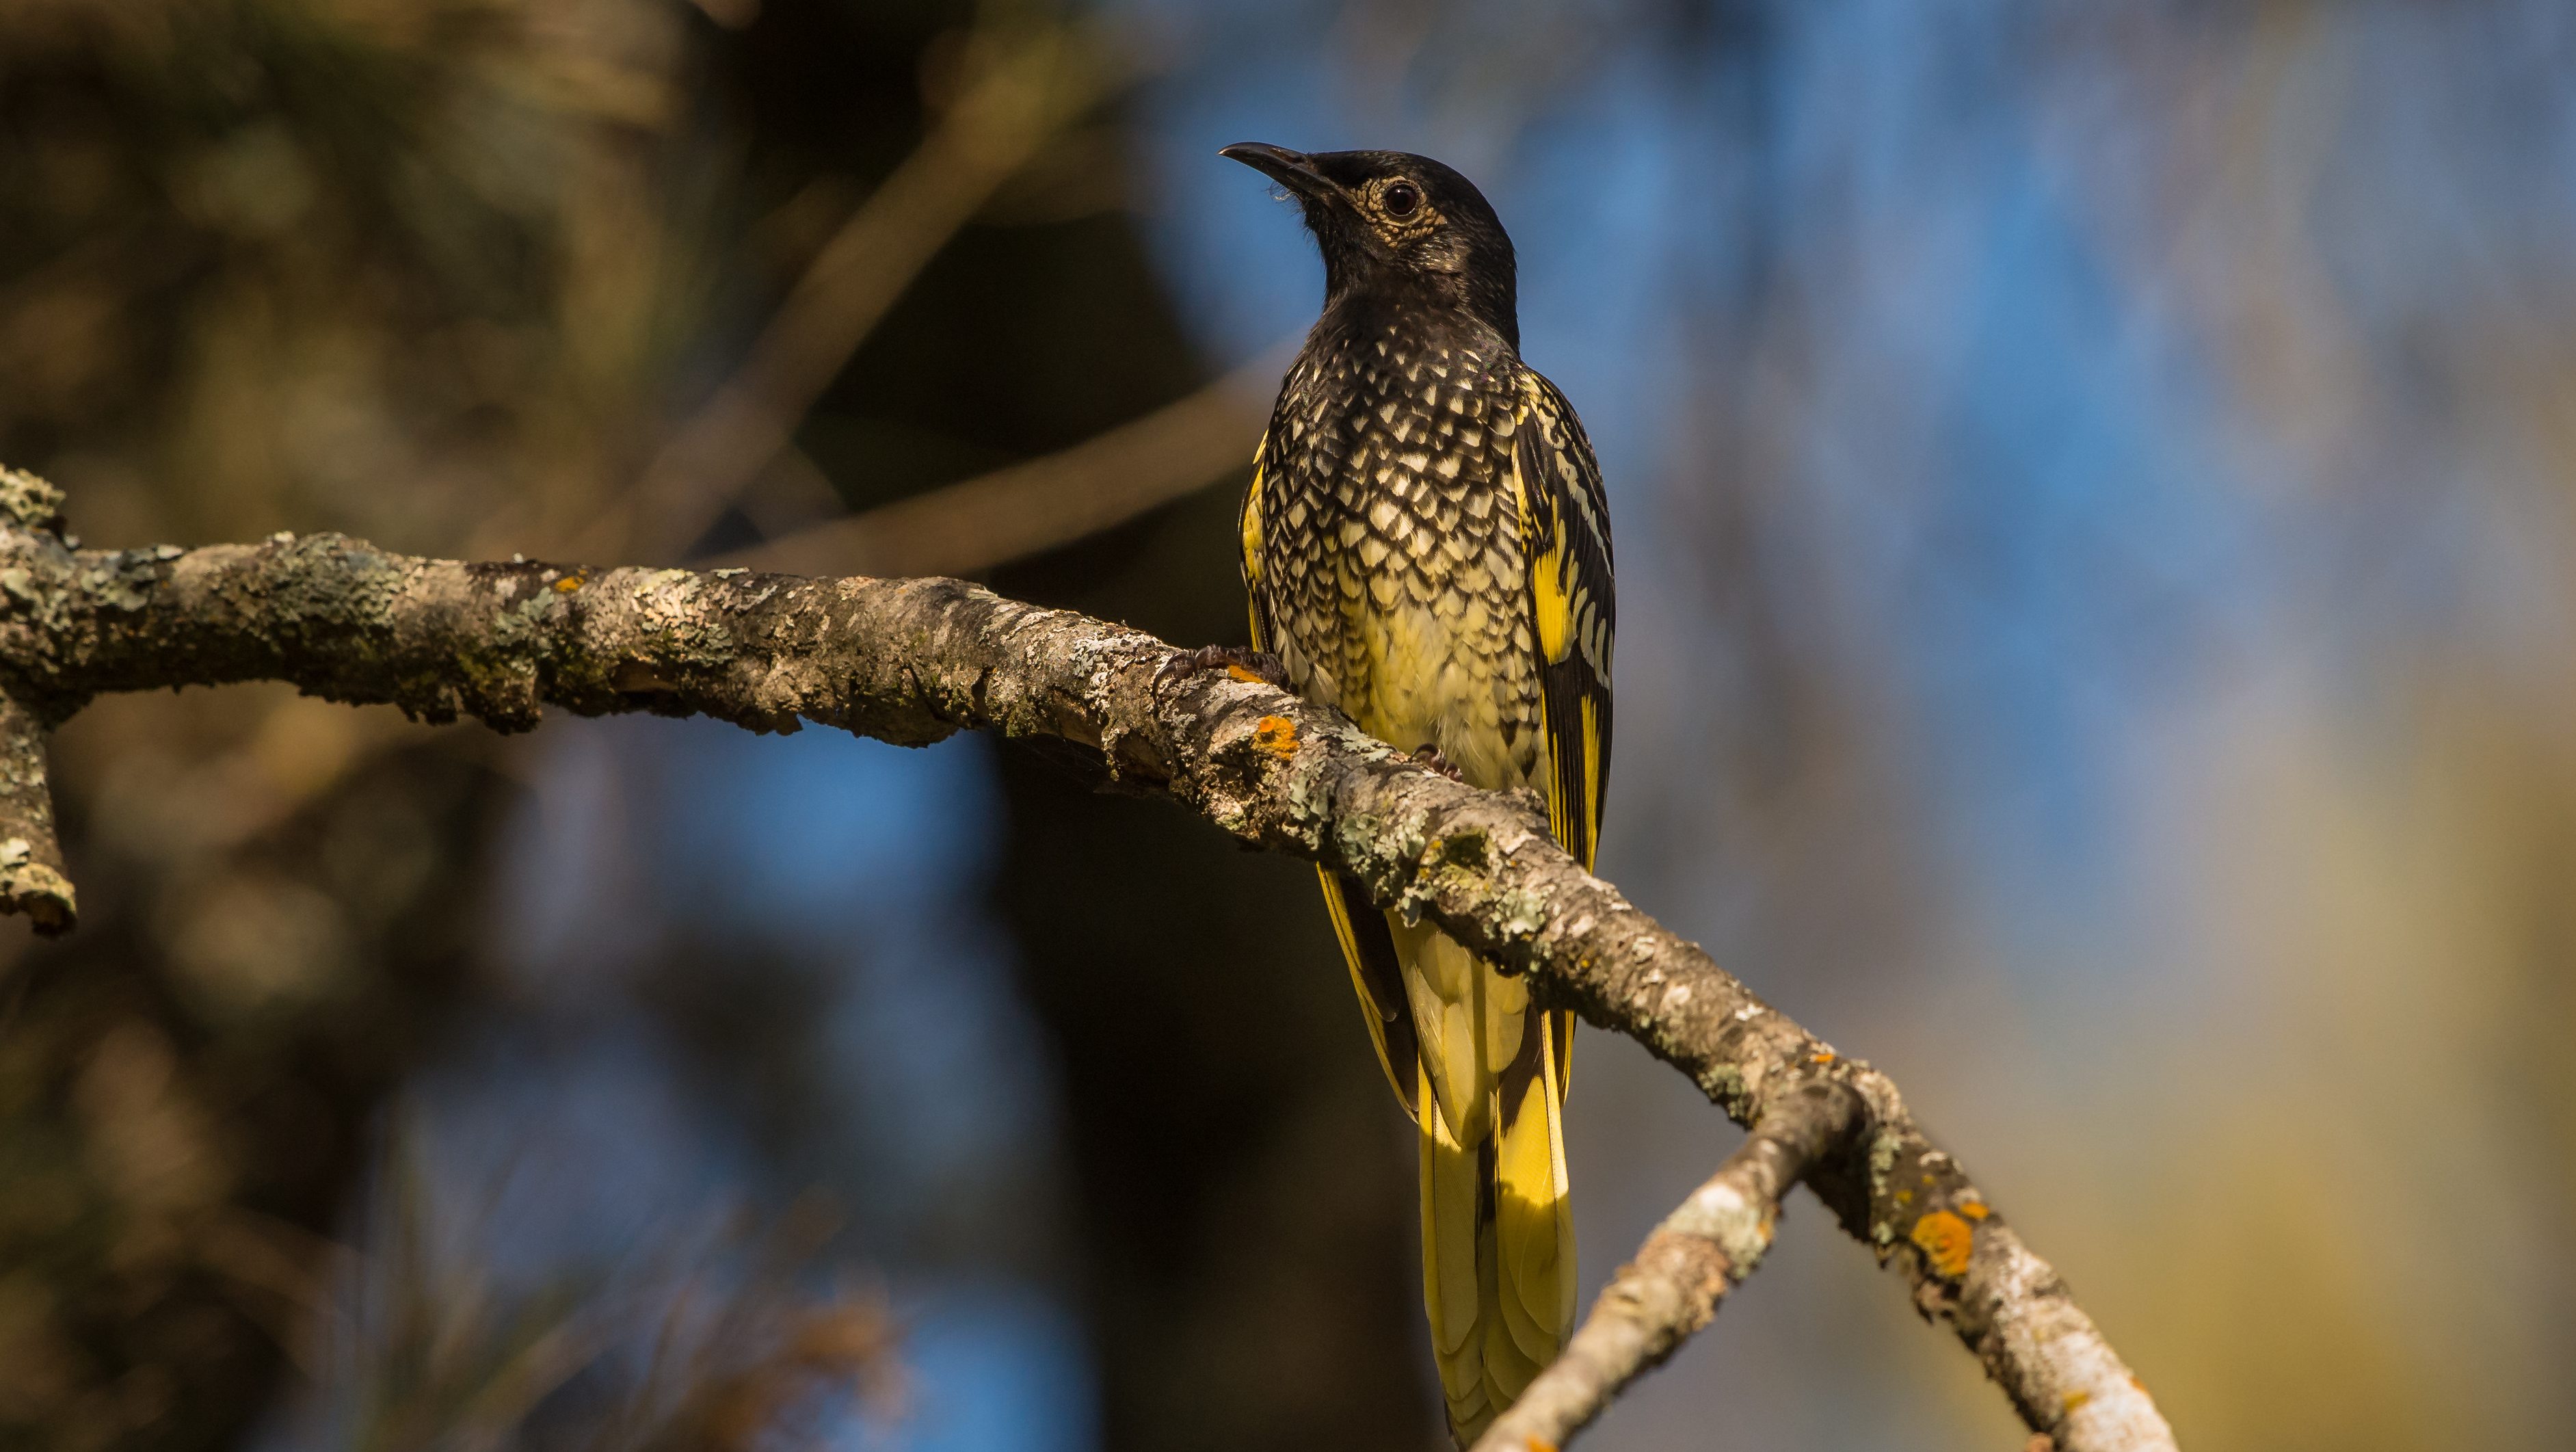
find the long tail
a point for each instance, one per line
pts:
(1497, 1225)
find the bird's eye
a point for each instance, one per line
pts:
(1401, 199)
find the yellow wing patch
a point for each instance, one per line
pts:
(1554, 612)
(1250, 524)
(1596, 756)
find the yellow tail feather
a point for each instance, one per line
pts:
(1497, 1224)
(1534, 1221)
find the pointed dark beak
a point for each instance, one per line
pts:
(1294, 170)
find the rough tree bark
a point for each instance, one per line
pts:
(913, 661)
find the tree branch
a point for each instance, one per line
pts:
(912, 661)
(1672, 1289)
(32, 877)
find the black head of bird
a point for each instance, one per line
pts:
(1398, 230)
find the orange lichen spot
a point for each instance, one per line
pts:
(2140, 1385)
(1240, 674)
(1276, 735)
(1945, 1241)
(1538, 1444)
(2075, 1399)
(572, 582)
(1823, 1057)
(1974, 1209)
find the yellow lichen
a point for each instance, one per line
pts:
(1276, 735)
(2075, 1399)
(1945, 1241)
(572, 582)
(1240, 674)
(1974, 1209)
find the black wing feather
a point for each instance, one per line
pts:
(1567, 542)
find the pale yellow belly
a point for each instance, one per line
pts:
(1427, 687)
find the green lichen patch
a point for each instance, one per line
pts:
(30, 502)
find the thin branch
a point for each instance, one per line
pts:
(32, 876)
(1030, 508)
(1672, 1289)
(32, 879)
(913, 661)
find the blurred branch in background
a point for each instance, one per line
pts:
(1013, 85)
(1030, 508)
(440, 275)
(915, 661)
(424, 272)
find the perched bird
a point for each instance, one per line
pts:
(1427, 549)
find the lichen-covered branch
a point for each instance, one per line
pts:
(914, 660)
(1700, 1252)
(32, 879)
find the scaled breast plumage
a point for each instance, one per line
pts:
(1386, 513)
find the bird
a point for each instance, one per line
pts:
(1426, 548)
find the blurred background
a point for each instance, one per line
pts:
(2096, 492)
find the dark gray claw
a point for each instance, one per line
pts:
(1429, 755)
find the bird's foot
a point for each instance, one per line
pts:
(1429, 755)
(1237, 661)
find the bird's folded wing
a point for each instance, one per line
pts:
(1565, 542)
